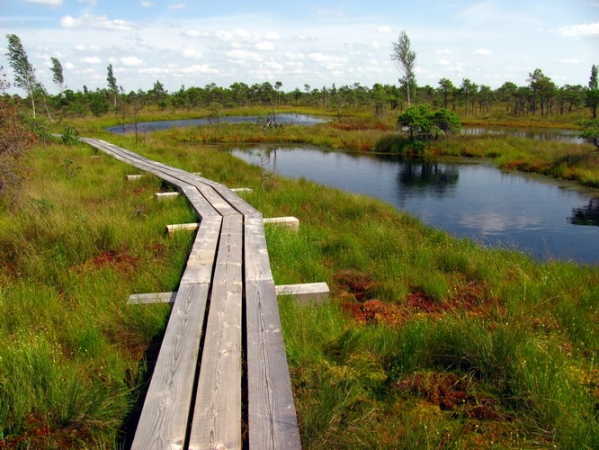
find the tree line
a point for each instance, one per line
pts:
(540, 95)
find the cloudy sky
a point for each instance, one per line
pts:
(319, 43)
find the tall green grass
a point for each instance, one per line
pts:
(428, 341)
(78, 242)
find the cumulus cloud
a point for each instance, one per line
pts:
(229, 36)
(199, 68)
(69, 66)
(243, 55)
(265, 45)
(584, 30)
(191, 54)
(178, 6)
(444, 51)
(195, 33)
(101, 22)
(91, 60)
(482, 51)
(384, 29)
(46, 2)
(294, 56)
(91, 2)
(131, 61)
(444, 62)
(570, 61)
(272, 35)
(86, 48)
(319, 57)
(145, 4)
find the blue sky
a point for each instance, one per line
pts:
(319, 43)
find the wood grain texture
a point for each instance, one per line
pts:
(165, 414)
(217, 413)
(271, 409)
(230, 229)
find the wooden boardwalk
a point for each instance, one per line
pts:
(221, 379)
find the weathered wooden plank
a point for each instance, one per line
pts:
(257, 263)
(289, 222)
(271, 409)
(216, 419)
(165, 414)
(165, 195)
(155, 297)
(181, 227)
(307, 293)
(200, 262)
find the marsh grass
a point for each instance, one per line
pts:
(71, 251)
(428, 341)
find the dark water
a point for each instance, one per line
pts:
(540, 134)
(471, 200)
(281, 119)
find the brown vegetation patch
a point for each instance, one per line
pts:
(358, 284)
(453, 393)
(357, 287)
(37, 434)
(119, 260)
(353, 125)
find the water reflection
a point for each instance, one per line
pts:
(466, 199)
(281, 119)
(587, 215)
(425, 178)
(539, 134)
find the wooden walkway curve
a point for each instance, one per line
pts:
(221, 379)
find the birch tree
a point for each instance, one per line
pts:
(57, 75)
(24, 72)
(112, 83)
(404, 57)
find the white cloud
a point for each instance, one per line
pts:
(584, 30)
(444, 62)
(319, 57)
(242, 55)
(265, 45)
(86, 48)
(145, 4)
(570, 61)
(272, 35)
(191, 54)
(444, 51)
(274, 65)
(46, 2)
(131, 61)
(91, 2)
(197, 68)
(294, 56)
(101, 22)
(384, 29)
(178, 6)
(91, 60)
(236, 34)
(195, 33)
(69, 66)
(482, 51)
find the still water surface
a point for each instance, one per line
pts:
(281, 119)
(466, 199)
